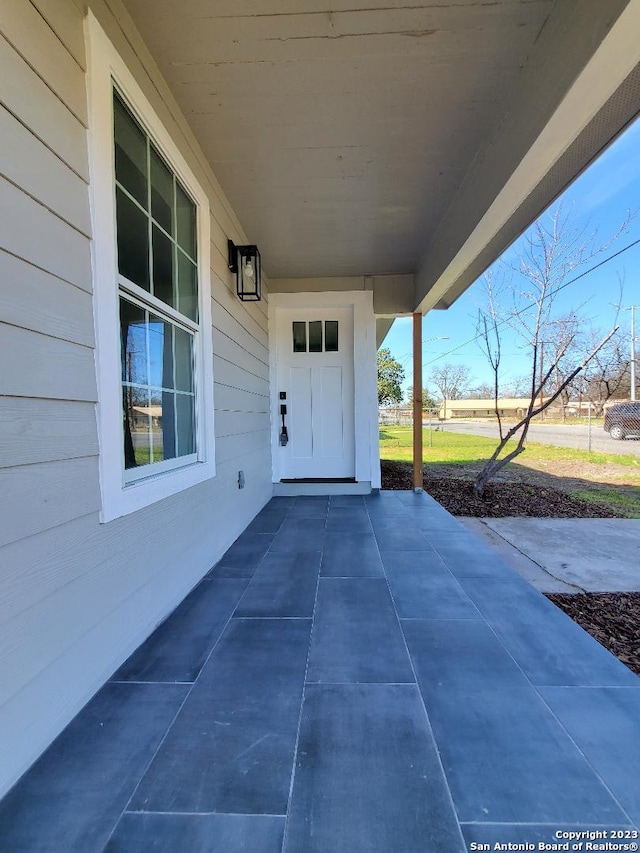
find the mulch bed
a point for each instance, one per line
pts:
(613, 618)
(501, 499)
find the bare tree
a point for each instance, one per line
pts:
(484, 391)
(607, 375)
(552, 251)
(451, 380)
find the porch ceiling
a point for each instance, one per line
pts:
(341, 132)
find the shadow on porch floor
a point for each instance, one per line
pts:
(358, 675)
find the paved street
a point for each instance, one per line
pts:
(560, 435)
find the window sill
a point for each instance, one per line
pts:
(149, 490)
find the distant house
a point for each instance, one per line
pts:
(507, 407)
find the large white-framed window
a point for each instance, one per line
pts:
(152, 299)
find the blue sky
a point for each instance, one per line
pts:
(598, 201)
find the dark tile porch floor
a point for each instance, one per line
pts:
(354, 676)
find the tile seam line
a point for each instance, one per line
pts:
(445, 779)
(258, 564)
(169, 727)
(207, 814)
(362, 683)
(587, 760)
(526, 823)
(545, 703)
(285, 833)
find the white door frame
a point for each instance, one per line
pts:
(367, 454)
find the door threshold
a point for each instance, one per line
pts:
(318, 480)
(293, 488)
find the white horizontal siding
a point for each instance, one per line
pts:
(62, 16)
(228, 373)
(240, 423)
(35, 497)
(39, 301)
(33, 431)
(27, 96)
(232, 399)
(28, 32)
(59, 248)
(35, 365)
(233, 319)
(235, 448)
(29, 164)
(77, 596)
(230, 350)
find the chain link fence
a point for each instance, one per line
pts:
(616, 430)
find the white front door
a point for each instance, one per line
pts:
(315, 382)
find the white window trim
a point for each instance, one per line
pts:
(105, 67)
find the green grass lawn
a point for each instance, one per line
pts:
(396, 443)
(455, 449)
(442, 447)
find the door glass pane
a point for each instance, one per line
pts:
(183, 359)
(185, 424)
(186, 222)
(299, 336)
(331, 336)
(315, 336)
(160, 353)
(131, 152)
(187, 287)
(137, 427)
(162, 266)
(161, 192)
(133, 241)
(133, 331)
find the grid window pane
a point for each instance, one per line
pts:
(161, 192)
(158, 421)
(183, 356)
(133, 241)
(331, 336)
(162, 266)
(187, 287)
(160, 353)
(185, 424)
(315, 336)
(169, 446)
(130, 152)
(157, 369)
(299, 336)
(186, 222)
(137, 426)
(133, 331)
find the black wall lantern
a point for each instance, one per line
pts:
(244, 261)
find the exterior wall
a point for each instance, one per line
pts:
(77, 596)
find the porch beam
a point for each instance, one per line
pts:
(417, 403)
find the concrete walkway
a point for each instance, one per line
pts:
(355, 676)
(567, 554)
